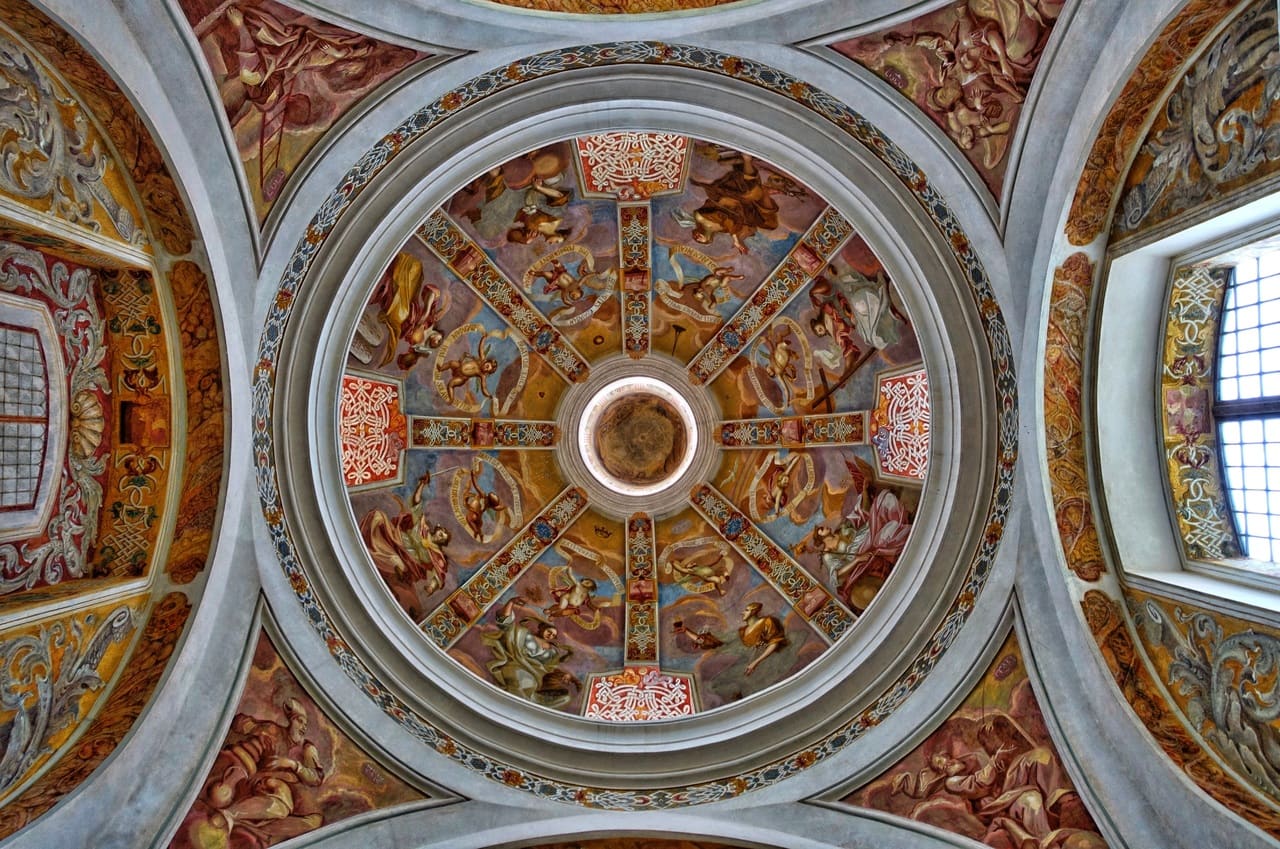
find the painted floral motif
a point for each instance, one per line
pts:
(1095, 195)
(53, 675)
(1063, 410)
(51, 164)
(1123, 655)
(1222, 673)
(61, 550)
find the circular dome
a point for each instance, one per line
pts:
(734, 399)
(480, 287)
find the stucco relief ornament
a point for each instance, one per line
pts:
(1231, 686)
(1213, 122)
(45, 159)
(73, 527)
(46, 674)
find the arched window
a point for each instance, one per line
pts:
(1247, 403)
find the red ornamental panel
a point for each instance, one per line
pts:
(631, 165)
(639, 694)
(900, 425)
(372, 429)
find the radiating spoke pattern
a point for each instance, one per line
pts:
(808, 257)
(465, 605)
(467, 260)
(444, 432)
(634, 250)
(677, 359)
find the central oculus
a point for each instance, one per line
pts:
(637, 435)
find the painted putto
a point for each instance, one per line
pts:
(634, 426)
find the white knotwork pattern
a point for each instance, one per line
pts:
(639, 696)
(370, 444)
(632, 165)
(902, 419)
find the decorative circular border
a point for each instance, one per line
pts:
(748, 71)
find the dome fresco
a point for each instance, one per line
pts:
(445, 451)
(634, 426)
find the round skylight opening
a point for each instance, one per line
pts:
(637, 436)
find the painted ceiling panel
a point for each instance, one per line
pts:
(968, 66)
(501, 308)
(284, 78)
(1217, 133)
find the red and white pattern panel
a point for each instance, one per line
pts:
(900, 424)
(640, 694)
(631, 165)
(373, 430)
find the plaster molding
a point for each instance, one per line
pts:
(386, 206)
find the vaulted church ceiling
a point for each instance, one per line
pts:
(540, 439)
(632, 425)
(693, 559)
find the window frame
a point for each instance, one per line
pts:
(1124, 431)
(1241, 409)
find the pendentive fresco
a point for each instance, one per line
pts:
(990, 772)
(284, 78)
(284, 769)
(968, 67)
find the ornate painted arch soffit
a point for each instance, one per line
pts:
(665, 285)
(1143, 178)
(111, 427)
